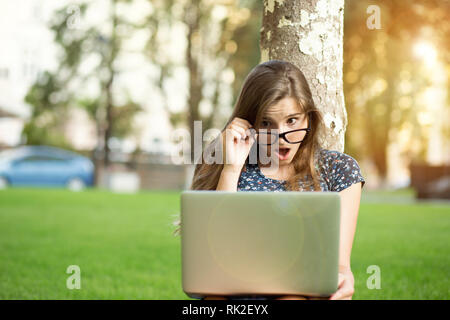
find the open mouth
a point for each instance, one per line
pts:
(283, 153)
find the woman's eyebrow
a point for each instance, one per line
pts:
(294, 114)
(267, 117)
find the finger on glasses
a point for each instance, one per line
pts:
(252, 138)
(239, 125)
(250, 132)
(232, 135)
(240, 130)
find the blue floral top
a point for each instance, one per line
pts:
(338, 171)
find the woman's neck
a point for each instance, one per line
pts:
(280, 172)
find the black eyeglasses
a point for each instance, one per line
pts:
(294, 136)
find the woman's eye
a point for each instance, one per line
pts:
(292, 120)
(265, 123)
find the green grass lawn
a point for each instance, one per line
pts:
(125, 248)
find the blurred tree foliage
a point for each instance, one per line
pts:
(55, 94)
(48, 113)
(222, 46)
(382, 80)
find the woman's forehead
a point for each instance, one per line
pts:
(285, 106)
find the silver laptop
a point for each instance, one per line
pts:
(259, 243)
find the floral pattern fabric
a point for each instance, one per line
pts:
(338, 171)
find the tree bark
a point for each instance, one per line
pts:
(192, 21)
(309, 34)
(109, 85)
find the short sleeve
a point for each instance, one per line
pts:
(343, 171)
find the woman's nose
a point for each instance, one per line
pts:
(281, 128)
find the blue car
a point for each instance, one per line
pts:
(46, 167)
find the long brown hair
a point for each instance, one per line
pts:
(264, 86)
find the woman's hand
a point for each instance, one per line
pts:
(346, 285)
(237, 141)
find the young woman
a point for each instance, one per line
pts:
(276, 103)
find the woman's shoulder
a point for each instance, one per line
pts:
(334, 156)
(342, 170)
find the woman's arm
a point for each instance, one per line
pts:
(237, 140)
(350, 200)
(228, 179)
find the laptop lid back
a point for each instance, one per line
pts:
(263, 243)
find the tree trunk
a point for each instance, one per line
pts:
(109, 86)
(309, 34)
(192, 21)
(108, 122)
